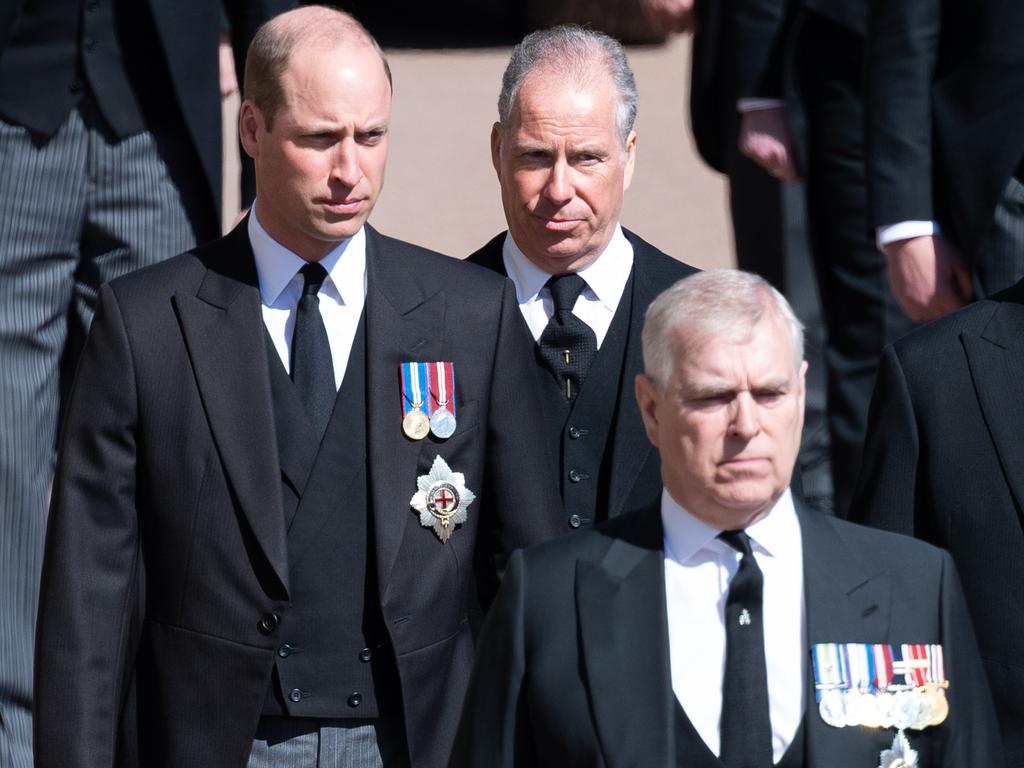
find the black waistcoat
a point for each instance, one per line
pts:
(692, 752)
(59, 49)
(334, 660)
(581, 435)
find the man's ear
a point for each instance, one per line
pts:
(647, 398)
(250, 124)
(496, 148)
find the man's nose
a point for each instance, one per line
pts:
(744, 422)
(346, 168)
(559, 188)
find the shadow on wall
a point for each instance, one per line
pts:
(489, 23)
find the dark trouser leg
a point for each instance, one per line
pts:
(1000, 261)
(860, 313)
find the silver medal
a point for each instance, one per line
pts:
(442, 423)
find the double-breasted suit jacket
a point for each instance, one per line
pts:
(166, 575)
(573, 667)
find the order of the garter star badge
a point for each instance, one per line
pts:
(441, 499)
(900, 755)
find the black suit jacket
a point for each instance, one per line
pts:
(573, 666)
(188, 33)
(946, 102)
(944, 461)
(166, 571)
(636, 468)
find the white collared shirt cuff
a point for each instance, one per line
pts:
(905, 230)
(754, 104)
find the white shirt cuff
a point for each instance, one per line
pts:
(752, 105)
(904, 230)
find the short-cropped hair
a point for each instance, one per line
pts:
(711, 305)
(314, 26)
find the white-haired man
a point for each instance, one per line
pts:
(724, 624)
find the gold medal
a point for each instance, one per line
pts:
(415, 424)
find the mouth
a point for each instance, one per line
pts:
(343, 207)
(558, 224)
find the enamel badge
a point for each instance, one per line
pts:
(441, 499)
(900, 755)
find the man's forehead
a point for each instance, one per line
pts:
(763, 351)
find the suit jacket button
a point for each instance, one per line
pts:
(365, 655)
(355, 699)
(295, 695)
(574, 476)
(574, 433)
(285, 651)
(574, 521)
(268, 623)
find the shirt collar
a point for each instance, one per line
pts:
(777, 534)
(277, 266)
(605, 276)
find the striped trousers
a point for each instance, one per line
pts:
(75, 211)
(999, 262)
(283, 742)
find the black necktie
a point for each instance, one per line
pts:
(568, 345)
(746, 731)
(312, 368)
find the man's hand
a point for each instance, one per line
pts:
(668, 16)
(765, 139)
(226, 58)
(928, 276)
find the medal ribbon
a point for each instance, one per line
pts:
(414, 377)
(442, 385)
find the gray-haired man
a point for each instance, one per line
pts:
(723, 624)
(564, 149)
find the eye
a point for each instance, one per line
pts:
(769, 396)
(372, 137)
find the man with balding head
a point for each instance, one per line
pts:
(289, 473)
(564, 149)
(725, 624)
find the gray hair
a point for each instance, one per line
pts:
(571, 51)
(707, 305)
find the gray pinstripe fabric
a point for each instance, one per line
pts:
(1001, 262)
(76, 211)
(298, 743)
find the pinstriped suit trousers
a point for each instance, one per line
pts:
(75, 211)
(300, 743)
(1000, 258)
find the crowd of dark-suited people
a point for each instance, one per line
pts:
(307, 495)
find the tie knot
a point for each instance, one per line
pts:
(738, 540)
(314, 275)
(565, 289)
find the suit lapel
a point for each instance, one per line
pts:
(996, 362)
(846, 602)
(630, 446)
(223, 329)
(403, 322)
(620, 603)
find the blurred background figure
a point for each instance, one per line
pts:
(945, 85)
(779, 85)
(110, 159)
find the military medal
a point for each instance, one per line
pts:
(442, 389)
(880, 686)
(441, 499)
(415, 423)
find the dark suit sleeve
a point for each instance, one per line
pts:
(244, 18)
(757, 28)
(973, 736)
(886, 489)
(521, 479)
(88, 612)
(903, 44)
(494, 729)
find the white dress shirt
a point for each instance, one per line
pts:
(606, 278)
(698, 569)
(342, 295)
